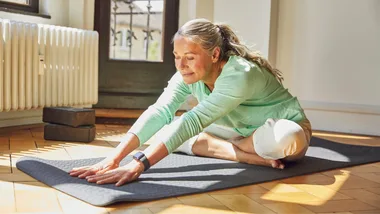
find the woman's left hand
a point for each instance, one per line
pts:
(120, 176)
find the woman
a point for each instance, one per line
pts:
(244, 113)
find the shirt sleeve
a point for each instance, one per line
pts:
(162, 111)
(231, 89)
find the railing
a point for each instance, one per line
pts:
(135, 26)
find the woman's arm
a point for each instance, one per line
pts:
(151, 121)
(129, 143)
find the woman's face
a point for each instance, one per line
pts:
(191, 60)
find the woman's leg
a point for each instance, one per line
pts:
(219, 142)
(281, 139)
(276, 140)
(208, 145)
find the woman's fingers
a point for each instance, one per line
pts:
(127, 177)
(111, 179)
(123, 180)
(83, 172)
(118, 177)
(95, 178)
(101, 172)
(78, 171)
(80, 168)
(87, 173)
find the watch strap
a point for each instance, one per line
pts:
(141, 157)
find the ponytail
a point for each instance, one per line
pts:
(231, 46)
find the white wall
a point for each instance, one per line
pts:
(81, 14)
(56, 8)
(73, 13)
(329, 52)
(192, 9)
(249, 18)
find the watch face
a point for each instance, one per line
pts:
(138, 155)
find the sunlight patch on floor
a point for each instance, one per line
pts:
(321, 195)
(185, 209)
(110, 135)
(347, 136)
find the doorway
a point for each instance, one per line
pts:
(135, 50)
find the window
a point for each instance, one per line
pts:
(136, 29)
(21, 5)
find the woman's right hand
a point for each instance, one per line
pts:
(96, 169)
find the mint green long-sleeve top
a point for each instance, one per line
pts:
(244, 97)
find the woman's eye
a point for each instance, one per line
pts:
(189, 58)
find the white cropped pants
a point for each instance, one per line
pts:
(276, 139)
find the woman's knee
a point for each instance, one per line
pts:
(280, 139)
(187, 146)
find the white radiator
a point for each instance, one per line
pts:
(46, 65)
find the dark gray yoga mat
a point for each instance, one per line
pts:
(180, 174)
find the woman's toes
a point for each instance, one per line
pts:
(277, 164)
(281, 165)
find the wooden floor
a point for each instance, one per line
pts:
(350, 190)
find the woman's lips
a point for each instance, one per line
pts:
(187, 74)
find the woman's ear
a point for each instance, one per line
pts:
(215, 55)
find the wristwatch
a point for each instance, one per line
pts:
(139, 156)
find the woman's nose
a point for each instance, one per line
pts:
(182, 64)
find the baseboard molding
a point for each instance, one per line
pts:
(18, 118)
(25, 117)
(341, 107)
(345, 118)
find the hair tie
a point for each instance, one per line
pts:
(221, 32)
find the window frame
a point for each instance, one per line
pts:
(32, 7)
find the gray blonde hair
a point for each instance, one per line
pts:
(209, 36)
